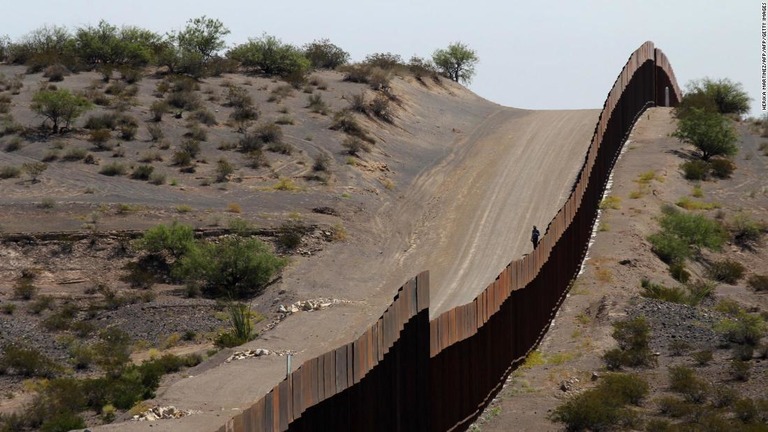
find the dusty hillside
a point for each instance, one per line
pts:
(431, 193)
(569, 360)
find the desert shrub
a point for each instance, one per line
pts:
(354, 145)
(421, 68)
(727, 271)
(9, 171)
(284, 120)
(669, 248)
(27, 361)
(250, 142)
(358, 103)
(14, 144)
(633, 351)
(316, 104)
(604, 407)
(102, 121)
(242, 327)
(190, 146)
(185, 100)
(322, 54)
(758, 282)
(181, 158)
(142, 172)
(746, 232)
(740, 370)
(235, 267)
(380, 107)
(683, 380)
(24, 289)
(113, 169)
(158, 108)
(41, 304)
(321, 162)
(344, 121)
(238, 97)
(242, 116)
(695, 169)
(204, 116)
(175, 239)
(722, 168)
(280, 147)
(678, 272)
(155, 132)
(281, 92)
(100, 137)
(74, 154)
(62, 318)
(269, 133)
(116, 88)
(744, 328)
(270, 56)
(8, 308)
(743, 352)
(56, 72)
(658, 291)
(678, 347)
(257, 159)
(128, 132)
(223, 170)
(723, 396)
(695, 229)
(196, 133)
(703, 357)
(610, 202)
(290, 235)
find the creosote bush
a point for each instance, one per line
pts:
(727, 270)
(633, 351)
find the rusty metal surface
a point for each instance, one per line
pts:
(406, 373)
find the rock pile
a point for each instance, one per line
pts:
(303, 305)
(162, 413)
(240, 355)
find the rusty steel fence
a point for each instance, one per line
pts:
(407, 373)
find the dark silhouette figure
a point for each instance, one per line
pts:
(535, 236)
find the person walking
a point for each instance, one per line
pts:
(535, 236)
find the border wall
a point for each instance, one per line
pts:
(406, 373)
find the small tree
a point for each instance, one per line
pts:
(59, 106)
(191, 50)
(235, 267)
(325, 55)
(709, 132)
(728, 96)
(457, 62)
(175, 239)
(270, 56)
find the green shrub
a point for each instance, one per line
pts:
(107, 120)
(24, 289)
(196, 133)
(695, 170)
(744, 328)
(602, 408)
(703, 357)
(658, 291)
(191, 147)
(321, 162)
(678, 272)
(745, 231)
(270, 56)
(62, 422)
(280, 147)
(185, 100)
(290, 235)
(27, 361)
(727, 271)
(181, 158)
(62, 318)
(669, 248)
(56, 73)
(722, 168)
(695, 229)
(142, 172)
(40, 304)
(176, 239)
(740, 370)
(128, 132)
(633, 351)
(268, 133)
(723, 396)
(113, 169)
(322, 54)
(233, 267)
(683, 380)
(13, 145)
(758, 282)
(242, 327)
(204, 116)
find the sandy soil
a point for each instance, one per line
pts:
(608, 290)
